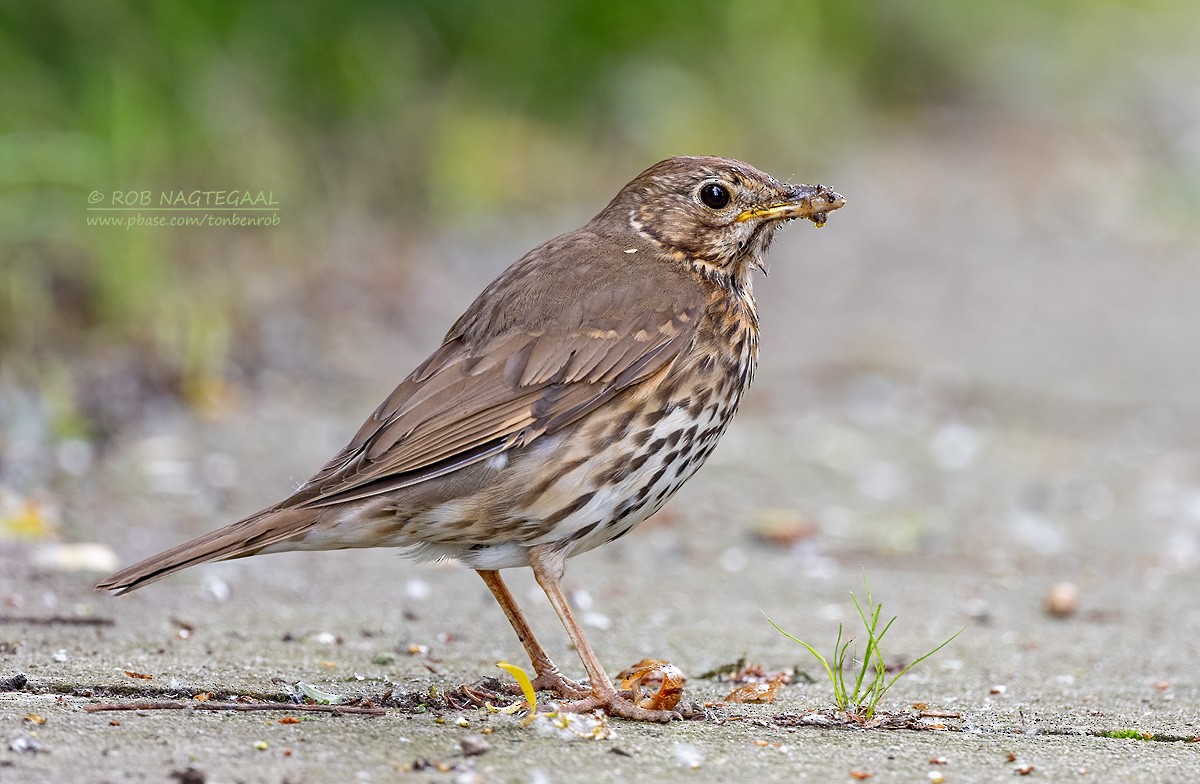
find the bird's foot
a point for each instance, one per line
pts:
(615, 704)
(553, 680)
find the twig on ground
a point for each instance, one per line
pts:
(337, 710)
(51, 620)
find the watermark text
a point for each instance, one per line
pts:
(187, 208)
(137, 219)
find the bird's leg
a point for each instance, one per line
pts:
(548, 566)
(546, 674)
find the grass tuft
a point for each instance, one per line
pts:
(861, 696)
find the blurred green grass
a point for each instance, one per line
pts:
(428, 114)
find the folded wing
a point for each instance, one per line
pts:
(474, 399)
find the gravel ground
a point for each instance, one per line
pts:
(977, 384)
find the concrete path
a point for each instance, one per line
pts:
(969, 410)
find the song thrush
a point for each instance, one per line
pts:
(571, 400)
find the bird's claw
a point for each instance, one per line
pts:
(615, 705)
(554, 681)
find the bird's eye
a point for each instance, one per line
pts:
(714, 195)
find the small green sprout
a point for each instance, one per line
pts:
(861, 698)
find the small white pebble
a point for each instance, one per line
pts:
(325, 638)
(417, 589)
(25, 745)
(75, 557)
(582, 600)
(596, 620)
(60, 655)
(831, 612)
(216, 588)
(734, 560)
(687, 755)
(955, 445)
(474, 745)
(977, 609)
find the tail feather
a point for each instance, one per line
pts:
(238, 540)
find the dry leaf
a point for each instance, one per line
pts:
(142, 675)
(25, 520)
(33, 718)
(861, 775)
(783, 527)
(763, 693)
(656, 684)
(289, 720)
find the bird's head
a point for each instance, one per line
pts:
(716, 212)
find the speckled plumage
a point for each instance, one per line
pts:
(566, 405)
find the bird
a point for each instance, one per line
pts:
(574, 396)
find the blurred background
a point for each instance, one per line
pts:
(998, 333)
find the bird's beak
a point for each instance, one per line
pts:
(802, 201)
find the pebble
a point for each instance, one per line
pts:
(687, 755)
(25, 745)
(417, 590)
(75, 557)
(474, 745)
(1062, 600)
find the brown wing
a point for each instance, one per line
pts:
(469, 402)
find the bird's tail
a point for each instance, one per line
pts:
(238, 540)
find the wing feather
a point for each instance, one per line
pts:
(473, 399)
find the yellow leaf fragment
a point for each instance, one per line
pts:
(526, 688)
